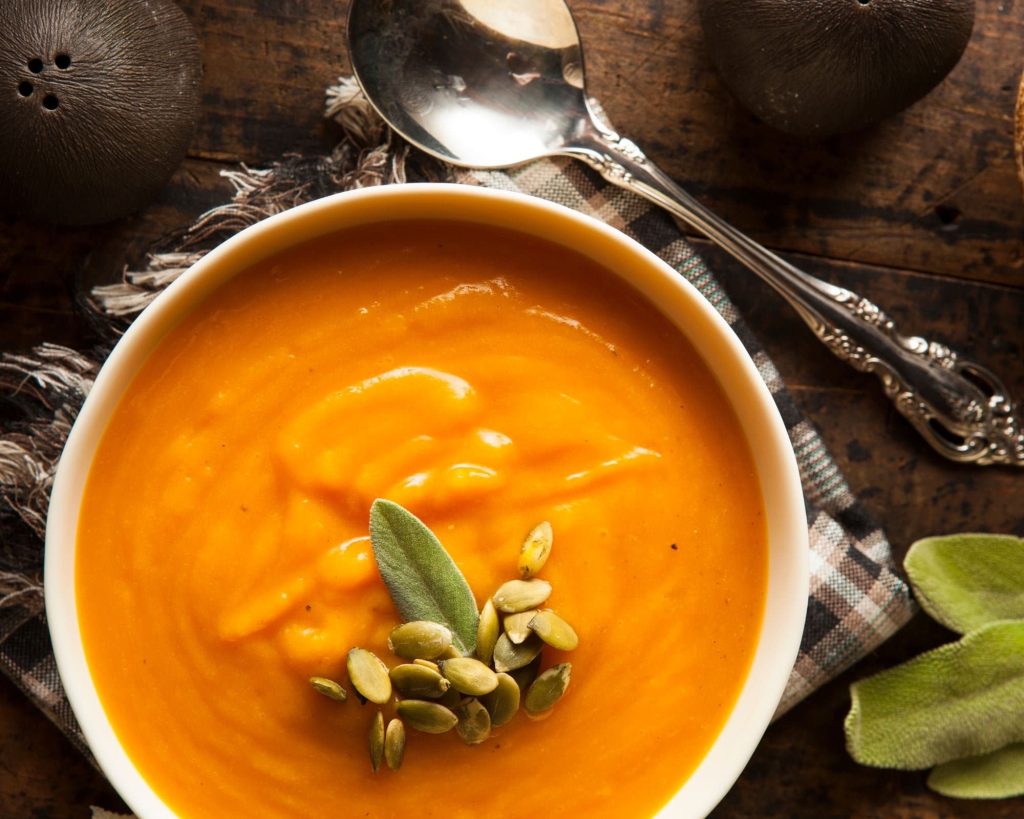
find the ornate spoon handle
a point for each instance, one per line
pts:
(960, 408)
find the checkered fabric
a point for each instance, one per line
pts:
(856, 600)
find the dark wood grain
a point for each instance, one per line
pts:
(42, 775)
(922, 213)
(933, 189)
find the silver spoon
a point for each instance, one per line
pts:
(495, 83)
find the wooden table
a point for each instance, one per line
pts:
(923, 214)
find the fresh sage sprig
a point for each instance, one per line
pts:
(967, 581)
(424, 581)
(990, 776)
(959, 707)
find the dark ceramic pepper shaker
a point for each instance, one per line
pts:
(821, 67)
(98, 102)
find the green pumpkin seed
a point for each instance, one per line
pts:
(420, 639)
(394, 744)
(525, 676)
(554, 631)
(520, 595)
(452, 698)
(469, 675)
(487, 631)
(329, 688)
(508, 656)
(474, 724)
(376, 741)
(517, 626)
(536, 548)
(547, 689)
(417, 681)
(426, 716)
(426, 664)
(369, 675)
(503, 702)
(448, 654)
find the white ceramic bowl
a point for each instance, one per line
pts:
(678, 300)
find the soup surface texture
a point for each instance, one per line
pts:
(485, 380)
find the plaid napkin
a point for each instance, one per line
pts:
(856, 600)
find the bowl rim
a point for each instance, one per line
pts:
(673, 296)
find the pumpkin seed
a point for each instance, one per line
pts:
(503, 702)
(452, 698)
(329, 688)
(517, 626)
(369, 675)
(426, 716)
(448, 654)
(394, 744)
(536, 548)
(469, 675)
(474, 724)
(487, 630)
(553, 630)
(421, 639)
(508, 656)
(520, 595)
(525, 676)
(547, 689)
(376, 741)
(426, 663)
(411, 680)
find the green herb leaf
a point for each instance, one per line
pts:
(968, 581)
(960, 700)
(424, 582)
(998, 775)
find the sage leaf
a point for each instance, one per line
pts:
(963, 699)
(424, 582)
(998, 775)
(967, 581)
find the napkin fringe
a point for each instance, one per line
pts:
(46, 387)
(368, 154)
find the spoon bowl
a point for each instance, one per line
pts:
(473, 83)
(497, 83)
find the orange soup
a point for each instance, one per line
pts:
(486, 381)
